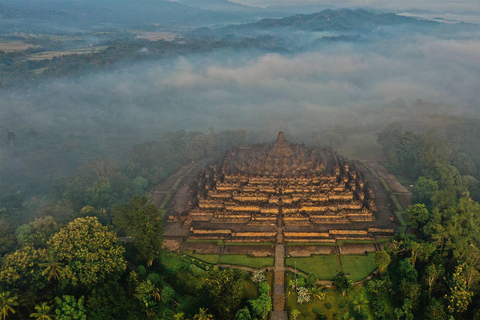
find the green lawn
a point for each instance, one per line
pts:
(401, 218)
(208, 258)
(244, 260)
(175, 186)
(165, 201)
(218, 242)
(385, 184)
(249, 243)
(289, 244)
(359, 266)
(396, 203)
(171, 259)
(324, 266)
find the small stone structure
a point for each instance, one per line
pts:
(313, 194)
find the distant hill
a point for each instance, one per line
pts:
(337, 20)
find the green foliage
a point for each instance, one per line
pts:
(107, 302)
(225, 290)
(382, 259)
(21, 270)
(68, 308)
(89, 252)
(342, 282)
(417, 216)
(243, 314)
(42, 312)
(37, 232)
(7, 303)
(7, 238)
(263, 305)
(168, 294)
(407, 271)
(423, 191)
(143, 221)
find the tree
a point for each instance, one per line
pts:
(143, 221)
(382, 259)
(423, 192)
(168, 294)
(263, 305)
(53, 268)
(203, 315)
(460, 294)
(258, 276)
(243, 314)
(342, 282)
(417, 215)
(37, 232)
(7, 238)
(107, 302)
(179, 316)
(21, 270)
(68, 308)
(431, 274)
(295, 314)
(436, 310)
(359, 304)
(7, 303)
(318, 292)
(225, 289)
(89, 252)
(42, 312)
(303, 295)
(312, 279)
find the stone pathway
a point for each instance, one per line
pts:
(279, 312)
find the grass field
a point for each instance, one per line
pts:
(9, 46)
(218, 242)
(165, 201)
(330, 244)
(249, 243)
(177, 183)
(358, 266)
(244, 260)
(47, 55)
(324, 266)
(396, 203)
(208, 258)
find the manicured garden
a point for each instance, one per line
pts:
(244, 260)
(324, 266)
(358, 266)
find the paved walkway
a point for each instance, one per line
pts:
(279, 312)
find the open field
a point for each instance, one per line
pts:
(9, 46)
(324, 266)
(244, 260)
(155, 36)
(208, 258)
(358, 266)
(51, 54)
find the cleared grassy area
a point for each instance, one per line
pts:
(171, 259)
(359, 266)
(249, 243)
(208, 258)
(396, 203)
(385, 184)
(401, 218)
(165, 201)
(324, 266)
(177, 183)
(218, 242)
(244, 260)
(330, 244)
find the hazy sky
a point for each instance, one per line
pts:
(433, 5)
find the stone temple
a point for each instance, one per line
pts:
(252, 192)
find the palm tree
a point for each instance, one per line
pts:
(42, 312)
(347, 316)
(179, 316)
(202, 315)
(359, 304)
(317, 292)
(7, 302)
(53, 268)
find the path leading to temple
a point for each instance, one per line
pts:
(279, 312)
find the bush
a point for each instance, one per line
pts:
(328, 305)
